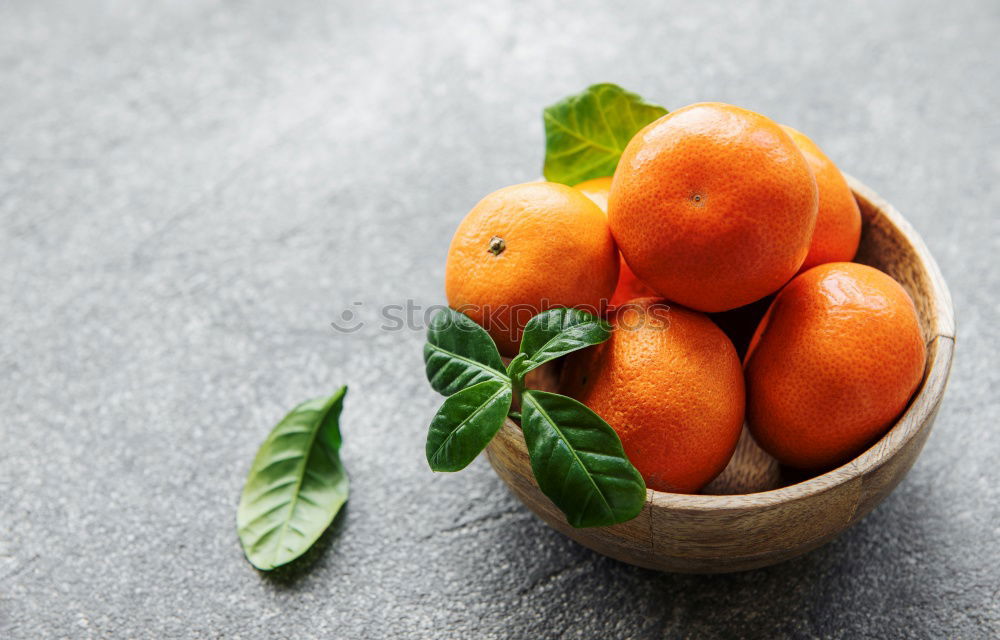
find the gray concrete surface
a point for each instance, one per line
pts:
(190, 192)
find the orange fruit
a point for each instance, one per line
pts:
(833, 364)
(629, 286)
(597, 190)
(713, 206)
(669, 382)
(838, 219)
(527, 248)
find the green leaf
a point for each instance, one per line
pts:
(459, 353)
(466, 423)
(579, 462)
(555, 333)
(296, 484)
(585, 134)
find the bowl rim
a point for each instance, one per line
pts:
(907, 426)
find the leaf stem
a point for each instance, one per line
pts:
(517, 386)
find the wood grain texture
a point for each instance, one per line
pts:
(746, 519)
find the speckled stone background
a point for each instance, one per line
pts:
(192, 191)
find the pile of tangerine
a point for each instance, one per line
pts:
(712, 208)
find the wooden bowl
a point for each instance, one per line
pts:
(767, 515)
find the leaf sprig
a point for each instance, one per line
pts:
(576, 457)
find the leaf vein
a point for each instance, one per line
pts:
(529, 398)
(480, 409)
(580, 136)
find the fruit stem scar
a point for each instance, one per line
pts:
(497, 245)
(697, 198)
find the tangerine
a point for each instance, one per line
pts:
(669, 382)
(527, 248)
(838, 218)
(833, 363)
(713, 206)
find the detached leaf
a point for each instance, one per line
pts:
(579, 462)
(466, 423)
(296, 484)
(459, 353)
(555, 333)
(585, 134)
